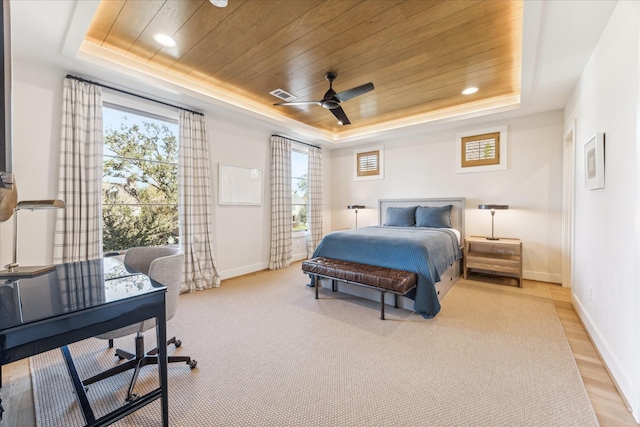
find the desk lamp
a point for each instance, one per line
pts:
(14, 269)
(493, 213)
(356, 207)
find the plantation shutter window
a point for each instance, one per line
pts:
(368, 163)
(481, 150)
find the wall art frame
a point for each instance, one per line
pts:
(239, 185)
(594, 162)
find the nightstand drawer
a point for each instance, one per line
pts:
(494, 264)
(499, 257)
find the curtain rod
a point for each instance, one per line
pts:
(299, 142)
(80, 79)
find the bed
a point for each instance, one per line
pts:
(403, 242)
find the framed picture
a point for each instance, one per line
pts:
(239, 185)
(594, 162)
(481, 150)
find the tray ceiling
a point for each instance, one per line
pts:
(419, 54)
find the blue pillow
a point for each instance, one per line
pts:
(436, 217)
(401, 217)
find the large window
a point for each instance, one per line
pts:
(140, 180)
(299, 198)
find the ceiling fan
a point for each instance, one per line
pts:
(331, 100)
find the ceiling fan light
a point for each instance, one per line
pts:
(470, 90)
(219, 3)
(165, 40)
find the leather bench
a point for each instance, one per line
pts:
(397, 282)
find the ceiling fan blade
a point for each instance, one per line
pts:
(331, 100)
(299, 103)
(340, 115)
(356, 91)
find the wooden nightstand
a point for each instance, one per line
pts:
(501, 257)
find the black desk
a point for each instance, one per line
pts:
(78, 301)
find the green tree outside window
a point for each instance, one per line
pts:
(140, 182)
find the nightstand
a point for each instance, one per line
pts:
(501, 257)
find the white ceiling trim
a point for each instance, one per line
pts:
(93, 53)
(444, 115)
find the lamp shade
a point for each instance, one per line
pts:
(14, 269)
(40, 204)
(493, 207)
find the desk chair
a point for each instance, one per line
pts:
(163, 264)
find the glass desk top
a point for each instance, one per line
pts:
(70, 287)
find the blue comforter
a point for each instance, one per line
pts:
(427, 251)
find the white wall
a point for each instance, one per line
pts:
(241, 233)
(424, 166)
(37, 100)
(605, 279)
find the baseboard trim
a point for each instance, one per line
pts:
(248, 269)
(298, 257)
(540, 276)
(241, 271)
(604, 353)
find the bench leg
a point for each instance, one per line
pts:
(334, 285)
(395, 300)
(316, 281)
(382, 305)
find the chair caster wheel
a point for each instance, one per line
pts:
(178, 343)
(192, 364)
(132, 397)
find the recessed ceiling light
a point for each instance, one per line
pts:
(165, 40)
(219, 3)
(470, 91)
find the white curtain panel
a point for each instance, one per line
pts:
(315, 199)
(194, 195)
(280, 203)
(78, 234)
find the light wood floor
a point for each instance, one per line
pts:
(605, 399)
(607, 403)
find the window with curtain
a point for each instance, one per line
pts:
(140, 179)
(299, 191)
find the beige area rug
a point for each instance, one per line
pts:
(269, 354)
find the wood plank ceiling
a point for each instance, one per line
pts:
(419, 54)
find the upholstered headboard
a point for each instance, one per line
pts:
(457, 210)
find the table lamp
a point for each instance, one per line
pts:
(14, 269)
(493, 213)
(356, 207)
